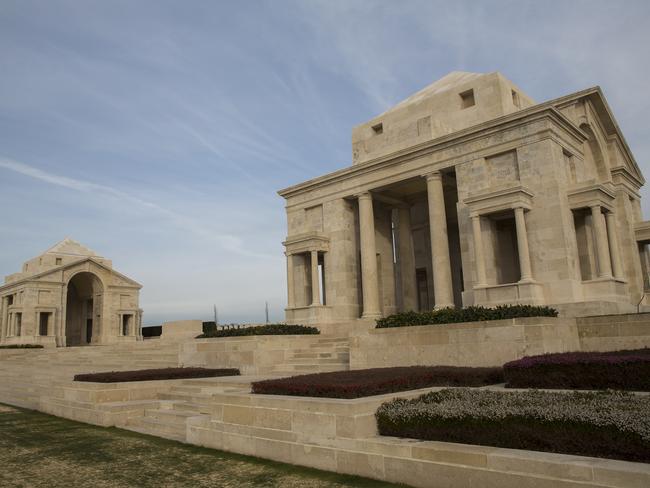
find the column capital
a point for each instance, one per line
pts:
(366, 195)
(434, 175)
(595, 206)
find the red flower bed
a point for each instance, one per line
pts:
(377, 381)
(620, 370)
(154, 374)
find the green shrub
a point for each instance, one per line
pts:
(22, 346)
(269, 329)
(468, 314)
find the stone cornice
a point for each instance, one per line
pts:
(529, 115)
(642, 231)
(499, 200)
(307, 242)
(589, 195)
(548, 109)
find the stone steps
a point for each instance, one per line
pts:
(150, 426)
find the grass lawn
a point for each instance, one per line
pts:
(39, 450)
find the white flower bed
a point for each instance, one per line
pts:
(624, 411)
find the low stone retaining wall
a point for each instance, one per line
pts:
(254, 355)
(614, 332)
(340, 435)
(105, 404)
(489, 343)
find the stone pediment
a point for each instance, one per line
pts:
(63, 273)
(71, 247)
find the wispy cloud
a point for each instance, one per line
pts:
(226, 241)
(163, 131)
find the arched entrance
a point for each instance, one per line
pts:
(83, 309)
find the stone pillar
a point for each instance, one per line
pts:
(602, 248)
(481, 279)
(291, 302)
(369, 282)
(315, 282)
(3, 314)
(612, 236)
(442, 284)
(406, 259)
(522, 246)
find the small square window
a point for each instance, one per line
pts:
(467, 99)
(378, 128)
(515, 99)
(59, 261)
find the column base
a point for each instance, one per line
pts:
(528, 293)
(444, 305)
(371, 315)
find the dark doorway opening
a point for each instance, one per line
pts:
(423, 289)
(89, 330)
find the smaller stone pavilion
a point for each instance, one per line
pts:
(69, 296)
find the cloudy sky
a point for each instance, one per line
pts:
(158, 132)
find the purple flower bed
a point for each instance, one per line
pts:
(377, 381)
(620, 370)
(154, 374)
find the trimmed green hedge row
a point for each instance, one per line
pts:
(613, 425)
(22, 346)
(468, 314)
(270, 329)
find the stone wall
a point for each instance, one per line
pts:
(254, 355)
(496, 342)
(614, 332)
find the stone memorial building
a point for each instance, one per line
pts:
(69, 296)
(470, 193)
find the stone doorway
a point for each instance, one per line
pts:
(83, 309)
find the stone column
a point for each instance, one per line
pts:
(406, 259)
(612, 236)
(3, 313)
(315, 282)
(481, 279)
(522, 246)
(291, 302)
(369, 282)
(442, 284)
(602, 248)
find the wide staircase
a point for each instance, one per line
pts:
(167, 416)
(29, 374)
(323, 355)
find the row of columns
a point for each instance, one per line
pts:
(315, 281)
(525, 270)
(443, 290)
(606, 240)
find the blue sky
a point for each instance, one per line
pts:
(158, 132)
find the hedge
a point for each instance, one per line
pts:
(620, 370)
(152, 331)
(270, 329)
(154, 374)
(377, 381)
(604, 424)
(468, 314)
(22, 346)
